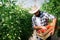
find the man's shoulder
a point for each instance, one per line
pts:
(33, 16)
(46, 13)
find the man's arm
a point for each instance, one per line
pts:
(53, 23)
(53, 18)
(34, 25)
(39, 27)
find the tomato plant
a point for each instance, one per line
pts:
(15, 23)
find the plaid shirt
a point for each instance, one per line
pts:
(42, 20)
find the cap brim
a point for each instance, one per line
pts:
(34, 11)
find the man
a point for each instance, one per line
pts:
(41, 20)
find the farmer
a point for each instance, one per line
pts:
(41, 20)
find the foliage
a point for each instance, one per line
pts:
(58, 33)
(15, 23)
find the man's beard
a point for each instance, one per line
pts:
(38, 15)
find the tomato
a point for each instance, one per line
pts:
(41, 30)
(44, 30)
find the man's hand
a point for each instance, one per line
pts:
(43, 27)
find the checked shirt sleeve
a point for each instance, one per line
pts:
(49, 16)
(33, 21)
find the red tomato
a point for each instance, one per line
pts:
(44, 30)
(41, 30)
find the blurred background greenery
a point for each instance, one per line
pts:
(15, 22)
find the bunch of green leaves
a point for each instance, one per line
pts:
(15, 23)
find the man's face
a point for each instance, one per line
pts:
(37, 14)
